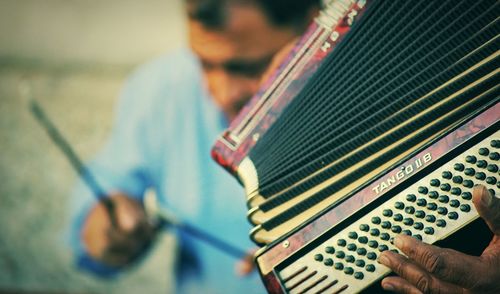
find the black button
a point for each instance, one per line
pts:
(441, 223)
(340, 254)
(396, 229)
(351, 247)
(328, 262)
(411, 197)
(408, 221)
(494, 156)
(443, 199)
(364, 227)
(395, 250)
(376, 220)
(492, 192)
(429, 230)
(446, 175)
(454, 203)
(495, 143)
(470, 159)
(468, 183)
(399, 205)
(386, 225)
(348, 270)
(410, 209)
(360, 263)
(387, 212)
(338, 266)
(456, 191)
(371, 255)
(363, 240)
(406, 232)
(432, 206)
(467, 195)
(419, 214)
(492, 168)
(398, 217)
(469, 171)
(359, 275)
(352, 235)
(318, 257)
(435, 182)
(453, 215)
(457, 179)
(418, 225)
(442, 210)
(373, 244)
(370, 268)
(430, 218)
(458, 167)
(418, 237)
(383, 248)
(421, 202)
(491, 180)
(445, 187)
(465, 207)
(480, 176)
(433, 194)
(484, 151)
(329, 249)
(385, 236)
(422, 190)
(349, 258)
(341, 242)
(374, 232)
(481, 163)
(361, 251)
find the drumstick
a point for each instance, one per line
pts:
(88, 178)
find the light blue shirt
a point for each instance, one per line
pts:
(165, 126)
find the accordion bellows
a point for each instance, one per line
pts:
(372, 87)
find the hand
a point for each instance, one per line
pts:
(430, 269)
(246, 265)
(117, 246)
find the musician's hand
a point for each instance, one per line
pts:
(429, 269)
(117, 246)
(246, 265)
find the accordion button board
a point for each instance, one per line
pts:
(431, 209)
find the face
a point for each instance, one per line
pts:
(235, 57)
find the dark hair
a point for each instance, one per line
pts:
(212, 13)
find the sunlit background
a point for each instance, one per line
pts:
(76, 54)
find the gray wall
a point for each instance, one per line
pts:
(76, 53)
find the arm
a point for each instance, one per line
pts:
(121, 166)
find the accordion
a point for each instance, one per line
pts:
(380, 122)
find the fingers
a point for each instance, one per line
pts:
(399, 285)
(488, 207)
(413, 277)
(246, 265)
(445, 264)
(117, 244)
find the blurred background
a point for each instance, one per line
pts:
(76, 53)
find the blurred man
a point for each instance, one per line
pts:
(169, 114)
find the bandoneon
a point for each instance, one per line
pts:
(380, 122)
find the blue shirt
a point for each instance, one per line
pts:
(165, 126)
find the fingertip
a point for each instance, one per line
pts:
(384, 258)
(403, 241)
(388, 286)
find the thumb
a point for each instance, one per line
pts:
(488, 207)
